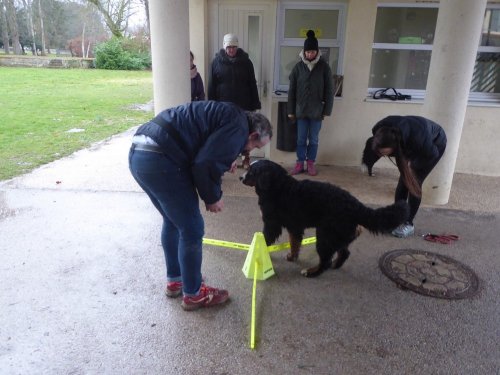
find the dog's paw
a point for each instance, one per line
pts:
(291, 257)
(311, 272)
(367, 170)
(340, 260)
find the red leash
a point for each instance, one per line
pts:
(446, 239)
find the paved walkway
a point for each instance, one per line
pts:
(81, 284)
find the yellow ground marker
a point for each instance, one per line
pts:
(258, 262)
(252, 320)
(258, 254)
(233, 245)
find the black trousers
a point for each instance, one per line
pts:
(402, 192)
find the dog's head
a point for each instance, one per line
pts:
(369, 157)
(263, 174)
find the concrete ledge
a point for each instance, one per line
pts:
(46, 62)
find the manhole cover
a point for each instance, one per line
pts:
(430, 274)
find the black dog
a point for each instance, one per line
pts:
(369, 157)
(296, 205)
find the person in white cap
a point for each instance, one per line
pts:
(232, 79)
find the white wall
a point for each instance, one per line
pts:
(343, 134)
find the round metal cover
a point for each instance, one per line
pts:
(430, 274)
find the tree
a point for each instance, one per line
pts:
(146, 10)
(115, 13)
(31, 28)
(4, 28)
(13, 27)
(42, 30)
(87, 29)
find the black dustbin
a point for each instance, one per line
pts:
(286, 135)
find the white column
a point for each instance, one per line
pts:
(198, 32)
(454, 51)
(170, 52)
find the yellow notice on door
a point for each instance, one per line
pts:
(317, 32)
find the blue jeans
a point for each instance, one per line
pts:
(307, 130)
(174, 195)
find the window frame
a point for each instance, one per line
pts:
(474, 96)
(281, 41)
(484, 97)
(415, 94)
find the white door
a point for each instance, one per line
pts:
(251, 21)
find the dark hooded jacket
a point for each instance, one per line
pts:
(205, 137)
(310, 94)
(232, 79)
(197, 89)
(421, 138)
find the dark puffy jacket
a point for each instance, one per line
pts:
(205, 136)
(310, 94)
(197, 89)
(233, 80)
(421, 138)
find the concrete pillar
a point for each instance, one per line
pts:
(198, 33)
(170, 52)
(452, 64)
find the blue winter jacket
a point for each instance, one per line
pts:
(205, 136)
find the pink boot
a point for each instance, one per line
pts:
(299, 168)
(311, 169)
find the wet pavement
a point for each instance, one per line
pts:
(82, 278)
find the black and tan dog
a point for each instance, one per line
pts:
(369, 157)
(296, 205)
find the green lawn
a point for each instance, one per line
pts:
(39, 106)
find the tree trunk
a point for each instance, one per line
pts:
(3, 26)
(31, 28)
(146, 6)
(83, 40)
(14, 29)
(113, 14)
(42, 30)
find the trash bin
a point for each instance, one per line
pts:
(286, 135)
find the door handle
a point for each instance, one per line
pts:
(264, 90)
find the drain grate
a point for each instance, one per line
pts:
(429, 274)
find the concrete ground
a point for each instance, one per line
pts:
(82, 279)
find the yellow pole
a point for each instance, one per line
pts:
(252, 324)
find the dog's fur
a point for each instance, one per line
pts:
(296, 205)
(369, 157)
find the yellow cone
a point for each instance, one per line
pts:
(258, 253)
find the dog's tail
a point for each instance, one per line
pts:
(384, 219)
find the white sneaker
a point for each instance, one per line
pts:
(404, 230)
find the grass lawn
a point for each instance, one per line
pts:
(40, 109)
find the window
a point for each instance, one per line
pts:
(402, 48)
(486, 78)
(294, 19)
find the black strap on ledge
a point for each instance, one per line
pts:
(391, 94)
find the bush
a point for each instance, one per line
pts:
(120, 54)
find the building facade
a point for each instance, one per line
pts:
(444, 54)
